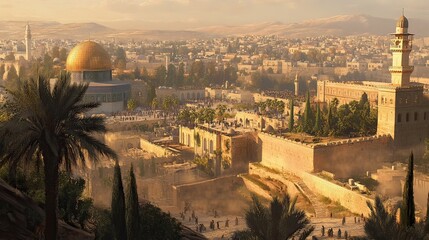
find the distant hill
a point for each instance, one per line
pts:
(343, 25)
(81, 31)
(55, 30)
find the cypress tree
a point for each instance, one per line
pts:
(426, 229)
(318, 121)
(118, 205)
(132, 213)
(407, 209)
(328, 124)
(291, 116)
(307, 115)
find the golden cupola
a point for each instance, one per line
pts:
(88, 56)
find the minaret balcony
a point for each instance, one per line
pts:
(400, 48)
(401, 69)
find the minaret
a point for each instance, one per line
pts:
(27, 42)
(296, 85)
(402, 107)
(167, 62)
(401, 48)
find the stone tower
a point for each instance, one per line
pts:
(401, 105)
(296, 82)
(401, 48)
(27, 42)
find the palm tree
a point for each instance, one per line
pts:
(49, 123)
(381, 225)
(220, 112)
(154, 103)
(280, 221)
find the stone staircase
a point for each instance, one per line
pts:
(319, 208)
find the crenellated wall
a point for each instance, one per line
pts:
(343, 158)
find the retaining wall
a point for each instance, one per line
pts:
(352, 200)
(159, 151)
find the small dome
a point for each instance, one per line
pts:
(88, 56)
(402, 22)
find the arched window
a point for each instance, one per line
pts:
(407, 117)
(416, 116)
(399, 118)
(205, 145)
(211, 146)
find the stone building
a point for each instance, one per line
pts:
(346, 92)
(89, 62)
(403, 107)
(183, 95)
(236, 148)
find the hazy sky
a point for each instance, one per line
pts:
(182, 14)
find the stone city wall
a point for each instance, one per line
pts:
(204, 190)
(343, 158)
(351, 157)
(285, 154)
(352, 200)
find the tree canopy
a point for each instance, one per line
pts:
(350, 120)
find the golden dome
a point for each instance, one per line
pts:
(88, 56)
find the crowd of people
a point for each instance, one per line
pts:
(216, 223)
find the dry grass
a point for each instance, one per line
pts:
(335, 208)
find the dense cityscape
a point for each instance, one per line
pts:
(241, 137)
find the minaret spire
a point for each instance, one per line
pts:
(401, 48)
(296, 83)
(27, 42)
